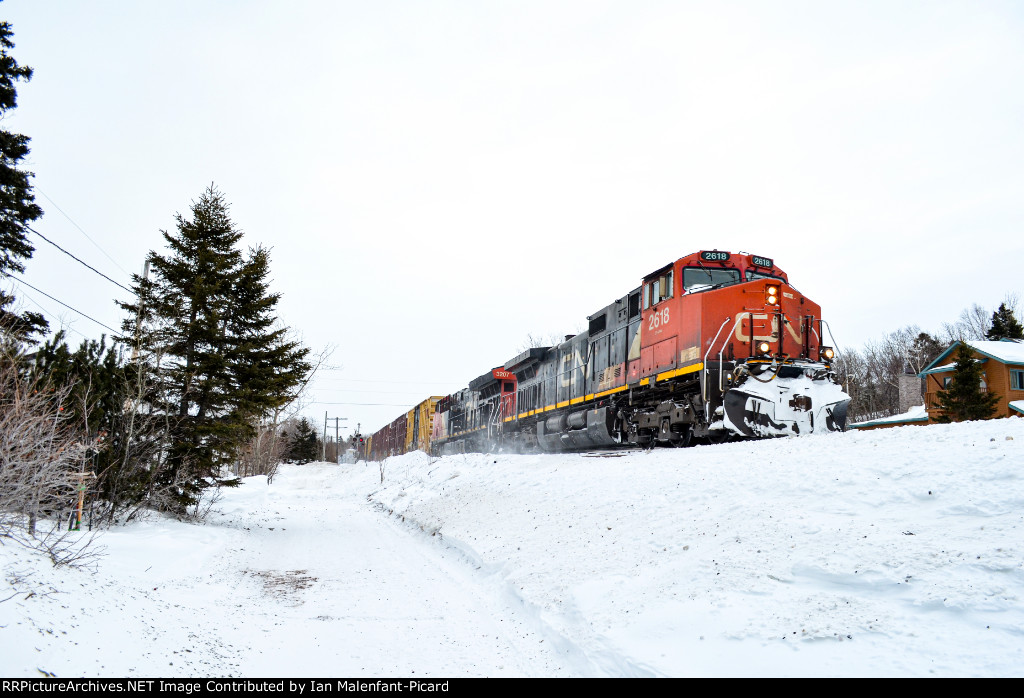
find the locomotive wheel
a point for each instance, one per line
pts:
(718, 436)
(685, 440)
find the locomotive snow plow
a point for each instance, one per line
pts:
(769, 400)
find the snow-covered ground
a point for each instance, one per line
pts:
(895, 552)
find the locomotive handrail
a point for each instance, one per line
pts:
(721, 385)
(495, 418)
(704, 381)
(829, 328)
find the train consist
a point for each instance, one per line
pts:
(711, 347)
(410, 432)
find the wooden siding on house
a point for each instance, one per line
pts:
(996, 375)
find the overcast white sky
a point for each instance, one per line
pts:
(439, 179)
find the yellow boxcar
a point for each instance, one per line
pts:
(418, 425)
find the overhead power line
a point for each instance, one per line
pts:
(369, 404)
(80, 229)
(46, 311)
(75, 310)
(414, 391)
(364, 380)
(84, 264)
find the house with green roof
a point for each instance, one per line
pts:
(1003, 374)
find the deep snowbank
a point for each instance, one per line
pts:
(891, 552)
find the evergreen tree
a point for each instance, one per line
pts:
(92, 375)
(123, 447)
(204, 329)
(964, 399)
(17, 202)
(1004, 325)
(303, 445)
(924, 349)
(266, 368)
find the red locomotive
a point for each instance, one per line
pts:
(711, 347)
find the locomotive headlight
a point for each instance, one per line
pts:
(772, 295)
(764, 347)
(827, 353)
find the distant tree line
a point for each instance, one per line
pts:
(872, 374)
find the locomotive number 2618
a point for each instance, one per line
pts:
(658, 319)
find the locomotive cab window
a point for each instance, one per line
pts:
(658, 290)
(697, 278)
(754, 275)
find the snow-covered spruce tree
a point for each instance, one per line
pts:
(204, 331)
(1004, 325)
(17, 202)
(964, 399)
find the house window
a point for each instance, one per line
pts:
(1016, 380)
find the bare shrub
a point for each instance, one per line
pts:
(42, 459)
(204, 504)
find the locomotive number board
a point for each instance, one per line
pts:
(761, 261)
(715, 256)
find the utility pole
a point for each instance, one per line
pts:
(336, 442)
(138, 319)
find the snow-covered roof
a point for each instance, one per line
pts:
(914, 414)
(945, 368)
(1007, 351)
(1017, 405)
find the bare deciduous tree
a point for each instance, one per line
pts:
(972, 325)
(264, 451)
(873, 376)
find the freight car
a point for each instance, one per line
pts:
(410, 432)
(711, 347)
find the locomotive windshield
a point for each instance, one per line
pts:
(696, 278)
(753, 275)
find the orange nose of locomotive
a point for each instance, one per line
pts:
(778, 323)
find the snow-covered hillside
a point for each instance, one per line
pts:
(896, 552)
